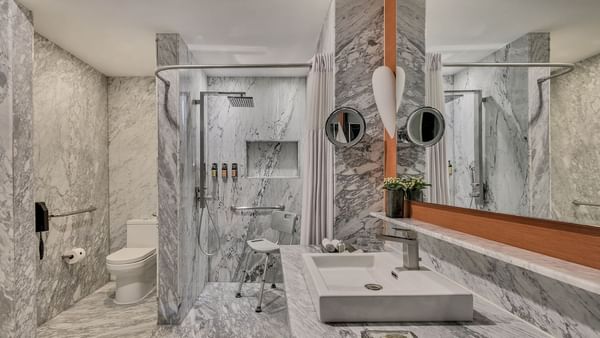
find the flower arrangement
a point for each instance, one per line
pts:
(415, 183)
(405, 183)
(394, 183)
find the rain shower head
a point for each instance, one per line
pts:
(241, 101)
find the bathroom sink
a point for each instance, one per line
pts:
(361, 288)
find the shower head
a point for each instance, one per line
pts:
(241, 101)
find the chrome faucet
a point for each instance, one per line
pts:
(410, 245)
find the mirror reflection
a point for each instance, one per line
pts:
(521, 121)
(345, 127)
(425, 126)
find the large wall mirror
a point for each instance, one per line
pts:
(516, 143)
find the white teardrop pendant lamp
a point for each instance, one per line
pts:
(386, 88)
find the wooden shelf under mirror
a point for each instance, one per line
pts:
(567, 241)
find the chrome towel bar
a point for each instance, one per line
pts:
(578, 203)
(274, 207)
(90, 209)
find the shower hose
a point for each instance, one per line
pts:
(214, 227)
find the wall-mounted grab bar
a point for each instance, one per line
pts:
(578, 203)
(274, 207)
(90, 209)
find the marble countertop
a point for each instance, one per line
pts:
(489, 320)
(577, 275)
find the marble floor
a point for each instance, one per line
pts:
(216, 313)
(97, 316)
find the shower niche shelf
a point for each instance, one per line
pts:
(272, 159)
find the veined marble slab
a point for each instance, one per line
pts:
(557, 296)
(17, 240)
(489, 320)
(132, 151)
(279, 108)
(71, 173)
(574, 274)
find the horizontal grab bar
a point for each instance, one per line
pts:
(90, 209)
(578, 203)
(274, 207)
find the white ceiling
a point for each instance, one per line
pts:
(468, 30)
(117, 36)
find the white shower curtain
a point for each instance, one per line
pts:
(436, 171)
(318, 154)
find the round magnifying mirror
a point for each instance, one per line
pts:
(345, 127)
(425, 126)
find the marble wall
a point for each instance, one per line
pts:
(71, 172)
(17, 238)
(358, 169)
(183, 270)
(132, 151)
(359, 51)
(410, 55)
(574, 125)
(515, 147)
(558, 308)
(279, 110)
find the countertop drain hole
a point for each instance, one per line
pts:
(373, 287)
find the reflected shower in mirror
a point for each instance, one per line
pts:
(345, 127)
(521, 121)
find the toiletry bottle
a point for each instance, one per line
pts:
(213, 170)
(449, 168)
(234, 170)
(224, 170)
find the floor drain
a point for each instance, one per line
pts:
(373, 287)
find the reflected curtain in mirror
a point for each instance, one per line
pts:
(318, 160)
(436, 172)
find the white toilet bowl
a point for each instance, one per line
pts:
(134, 267)
(135, 273)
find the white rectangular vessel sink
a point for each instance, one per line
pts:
(361, 288)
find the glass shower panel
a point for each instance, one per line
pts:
(463, 148)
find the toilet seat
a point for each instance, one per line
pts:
(129, 255)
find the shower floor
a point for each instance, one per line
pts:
(216, 313)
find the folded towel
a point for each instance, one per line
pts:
(328, 245)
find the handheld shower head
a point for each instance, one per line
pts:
(241, 101)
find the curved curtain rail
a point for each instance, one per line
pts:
(90, 209)
(240, 66)
(567, 67)
(589, 204)
(274, 207)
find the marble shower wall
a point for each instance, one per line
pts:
(183, 270)
(280, 105)
(574, 125)
(511, 122)
(17, 236)
(359, 51)
(132, 151)
(71, 173)
(558, 308)
(461, 138)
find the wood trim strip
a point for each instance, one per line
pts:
(571, 242)
(389, 59)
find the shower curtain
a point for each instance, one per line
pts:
(318, 154)
(436, 171)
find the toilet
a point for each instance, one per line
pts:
(134, 267)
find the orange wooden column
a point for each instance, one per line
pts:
(389, 59)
